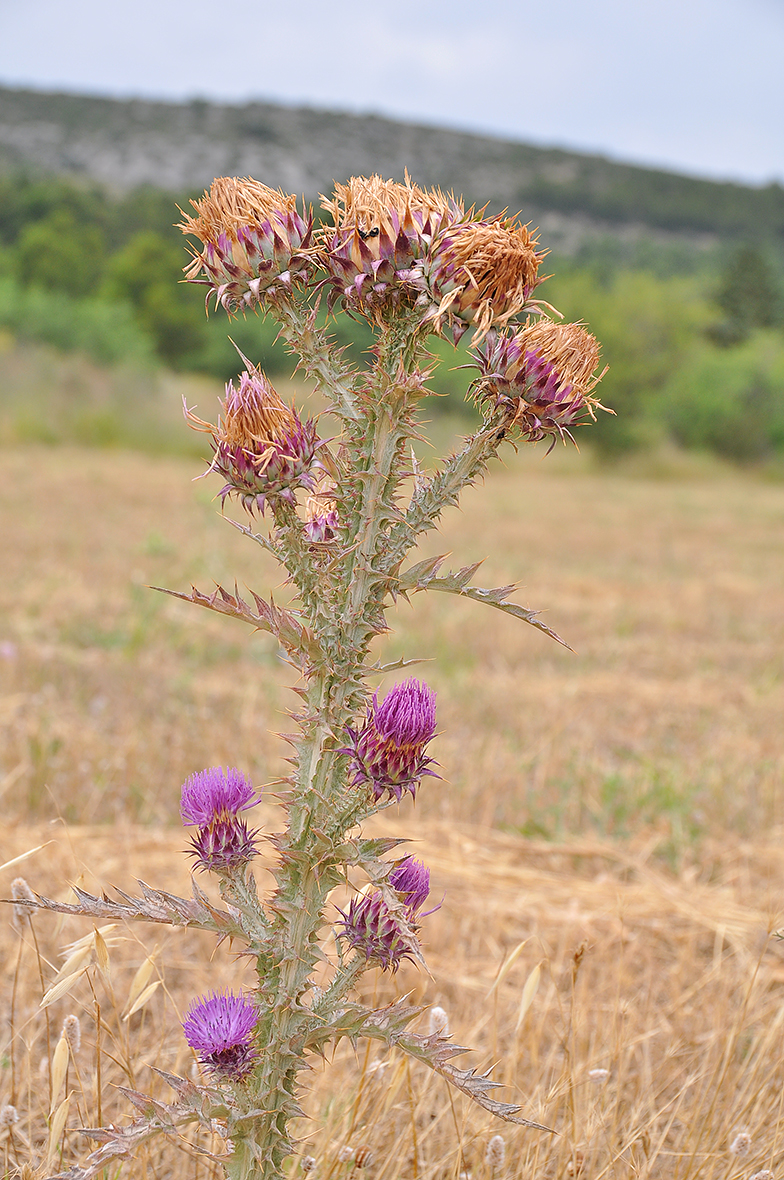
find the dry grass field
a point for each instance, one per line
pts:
(607, 835)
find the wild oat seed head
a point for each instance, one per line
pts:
(72, 1031)
(388, 751)
(741, 1144)
(411, 879)
(9, 1116)
(481, 273)
(541, 378)
(21, 891)
(495, 1153)
(255, 241)
(373, 930)
(438, 1023)
(220, 1029)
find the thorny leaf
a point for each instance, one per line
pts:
(382, 669)
(389, 1025)
(435, 1052)
(156, 905)
(199, 1104)
(353, 1019)
(299, 643)
(123, 1142)
(424, 576)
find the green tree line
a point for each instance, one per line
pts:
(693, 338)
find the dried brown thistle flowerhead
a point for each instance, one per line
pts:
(262, 447)
(481, 273)
(380, 230)
(542, 377)
(255, 241)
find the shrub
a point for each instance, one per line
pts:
(730, 402)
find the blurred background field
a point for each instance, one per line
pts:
(669, 586)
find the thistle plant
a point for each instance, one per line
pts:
(341, 515)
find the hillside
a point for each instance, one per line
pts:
(126, 144)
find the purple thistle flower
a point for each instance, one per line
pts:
(542, 378)
(255, 242)
(213, 799)
(262, 447)
(321, 518)
(411, 879)
(388, 751)
(381, 231)
(480, 272)
(220, 1029)
(371, 928)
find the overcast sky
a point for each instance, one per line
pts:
(695, 85)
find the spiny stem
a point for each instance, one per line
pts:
(335, 379)
(444, 488)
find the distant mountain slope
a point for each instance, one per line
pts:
(178, 147)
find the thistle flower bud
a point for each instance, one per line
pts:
(411, 879)
(381, 229)
(388, 751)
(220, 1029)
(262, 447)
(255, 242)
(372, 929)
(481, 273)
(542, 377)
(213, 799)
